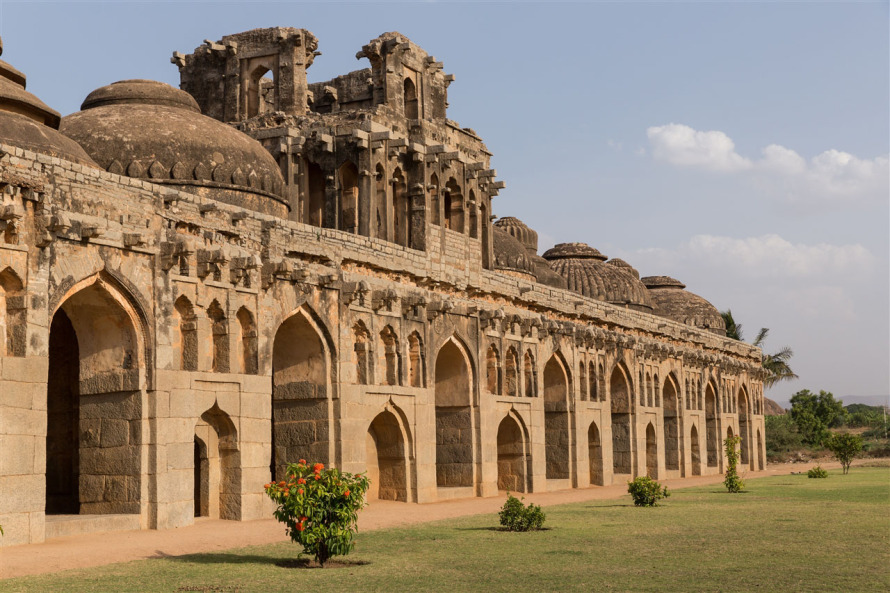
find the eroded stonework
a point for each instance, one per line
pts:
(199, 286)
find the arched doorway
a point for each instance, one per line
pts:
(759, 451)
(556, 419)
(385, 454)
(217, 463)
(696, 451)
(651, 452)
(622, 438)
(595, 455)
(744, 430)
(94, 405)
(511, 456)
(300, 412)
(410, 98)
(712, 435)
(673, 434)
(454, 420)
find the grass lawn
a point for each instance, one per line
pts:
(785, 533)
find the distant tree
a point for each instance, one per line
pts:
(815, 414)
(845, 447)
(776, 365)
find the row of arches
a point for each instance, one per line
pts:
(188, 341)
(508, 377)
(389, 368)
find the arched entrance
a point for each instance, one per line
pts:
(622, 438)
(696, 451)
(673, 433)
(595, 455)
(385, 454)
(556, 419)
(94, 405)
(712, 434)
(217, 462)
(651, 452)
(300, 411)
(511, 456)
(454, 420)
(744, 430)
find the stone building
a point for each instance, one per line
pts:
(198, 286)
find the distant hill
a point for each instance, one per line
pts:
(771, 408)
(869, 400)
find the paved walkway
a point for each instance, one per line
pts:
(209, 535)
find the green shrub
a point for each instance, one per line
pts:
(319, 508)
(782, 435)
(845, 447)
(817, 472)
(732, 481)
(515, 516)
(646, 492)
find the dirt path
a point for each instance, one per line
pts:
(209, 535)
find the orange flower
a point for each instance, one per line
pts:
(318, 467)
(266, 486)
(300, 527)
(317, 477)
(346, 494)
(302, 462)
(301, 481)
(300, 491)
(281, 483)
(303, 519)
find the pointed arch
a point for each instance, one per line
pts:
(651, 452)
(759, 451)
(315, 195)
(416, 361)
(301, 384)
(493, 370)
(381, 203)
(593, 382)
(409, 96)
(712, 432)
(217, 466)
(474, 220)
(453, 206)
(390, 357)
(386, 458)
(186, 342)
(454, 420)
(361, 339)
(583, 383)
(349, 197)
(595, 455)
(13, 314)
(695, 451)
(401, 222)
(672, 418)
(247, 345)
(621, 397)
(530, 373)
(744, 428)
(557, 441)
(219, 329)
(511, 372)
(512, 455)
(436, 215)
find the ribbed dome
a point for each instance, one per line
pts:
(28, 123)
(545, 274)
(510, 254)
(673, 302)
(520, 231)
(623, 265)
(585, 271)
(150, 130)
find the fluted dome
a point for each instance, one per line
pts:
(673, 302)
(27, 122)
(586, 272)
(623, 265)
(151, 130)
(520, 231)
(510, 254)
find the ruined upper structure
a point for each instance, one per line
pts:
(200, 285)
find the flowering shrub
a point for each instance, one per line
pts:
(515, 516)
(732, 482)
(319, 507)
(817, 472)
(646, 492)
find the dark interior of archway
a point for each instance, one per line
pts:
(63, 419)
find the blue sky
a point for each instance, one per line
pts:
(741, 148)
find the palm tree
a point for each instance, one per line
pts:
(775, 365)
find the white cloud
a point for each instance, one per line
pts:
(766, 256)
(832, 176)
(682, 145)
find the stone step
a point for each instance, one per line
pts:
(453, 493)
(65, 525)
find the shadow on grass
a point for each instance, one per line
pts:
(259, 559)
(502, 529)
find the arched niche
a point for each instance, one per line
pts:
(621, 399)
(512, 459)
(247, 344)
(416, 361)
(13, 314)
(300, 394)
(744, 429)
(409, 96)
(651, 452)
(401, 222)
(185, 342)
(556, 418)
(673, 431)
(595, 455)
(386, 459)
(712, 436)
(94, 403)
(217, 463)
(454, 420)
(349, 197)
(493, 370)
(695, 451)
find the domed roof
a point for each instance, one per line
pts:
(623, 265)
(585, 271)
(545, 274)
(510, 254)
(28, 123)
(151, 130)
(673, 302)
(520, 231)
